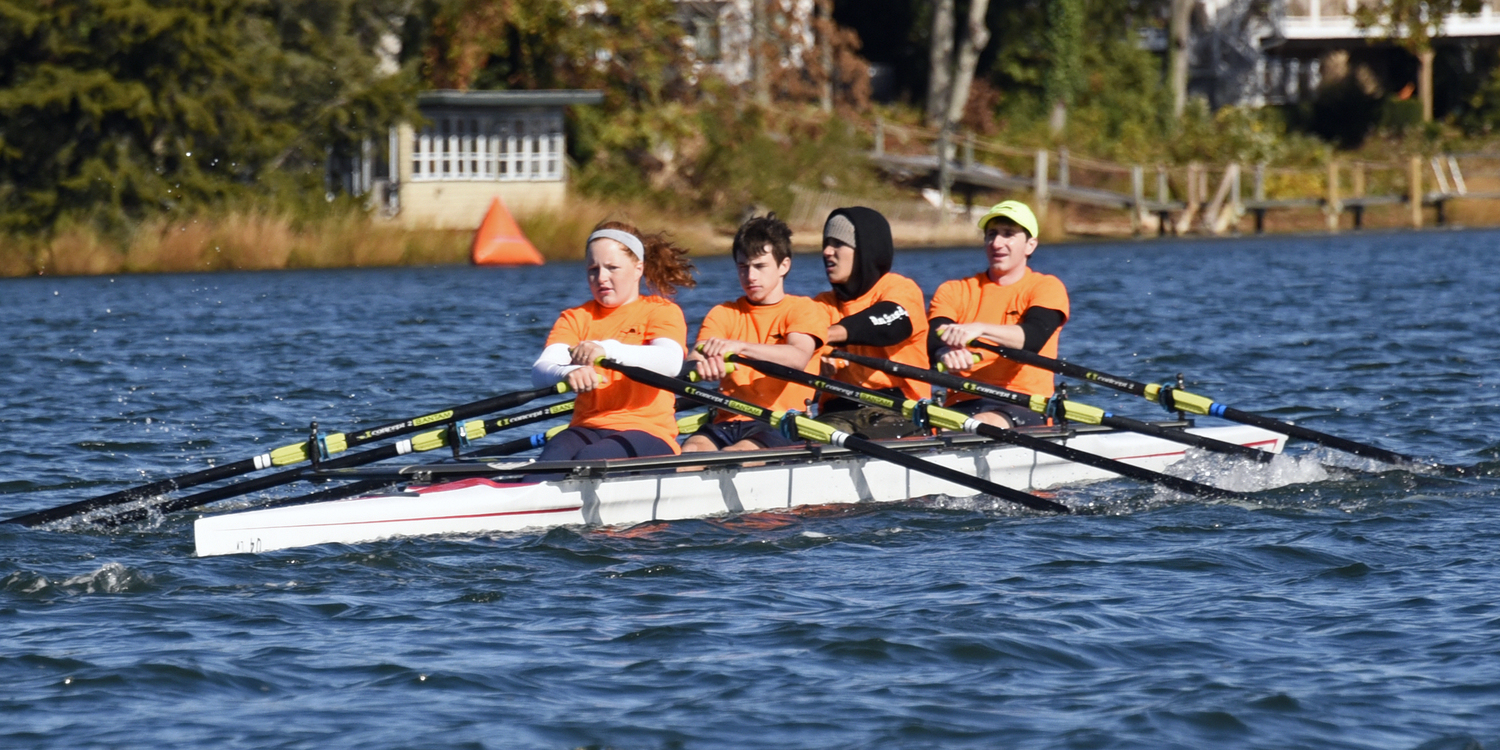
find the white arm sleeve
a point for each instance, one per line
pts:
(552, 366)
(662, 356)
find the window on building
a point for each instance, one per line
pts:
(470, 147)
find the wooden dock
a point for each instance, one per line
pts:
(1193, 207)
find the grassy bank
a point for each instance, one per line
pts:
(722, 163)
(256, 241)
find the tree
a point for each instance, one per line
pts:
(1064, 38)
(939, 63)
(1179, 42)
(1414, 25)
(632, 49)
(111, 110)
(949, 80)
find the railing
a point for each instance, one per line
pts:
(477, 148)
(1181, 198)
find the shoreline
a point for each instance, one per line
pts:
(256, 242)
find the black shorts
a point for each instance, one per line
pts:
(725, 434)
(1019, 416)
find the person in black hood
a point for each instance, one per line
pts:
(872, 312)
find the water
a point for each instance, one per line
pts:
(1347, 606)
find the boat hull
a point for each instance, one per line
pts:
(476, 506)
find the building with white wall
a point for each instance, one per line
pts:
(471, 147)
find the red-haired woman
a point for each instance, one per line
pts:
(614, 416)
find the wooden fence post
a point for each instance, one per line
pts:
(1414, 191)
(880, 136)
(945, 173)
(1161, 200)
(1236, 202)
(1040, 186)
(1195, 192)
(1062, 166)
(1332, 207)
(1138, 198)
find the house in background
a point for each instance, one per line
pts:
(1260, 52)
(473, 147)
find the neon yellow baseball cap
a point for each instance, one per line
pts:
(1015, 211)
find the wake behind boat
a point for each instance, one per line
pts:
(475, 498)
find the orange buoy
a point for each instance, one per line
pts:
(500, 241)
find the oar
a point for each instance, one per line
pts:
(1072, 410)
(953, 420)
(811, 429)
(426, 441)
(363, 486)
(1175, 398)
(286, 455)
(685, 425)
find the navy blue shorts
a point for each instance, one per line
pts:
(725, 434)
(1019, 416)
(588, 444)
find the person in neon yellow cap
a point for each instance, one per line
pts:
(1008, 304)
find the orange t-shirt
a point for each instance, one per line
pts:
(622, 403)
(764, 324)
(977, 298)
(910, 351)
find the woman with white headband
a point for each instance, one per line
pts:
(615, 417)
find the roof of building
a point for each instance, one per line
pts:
(548, 98)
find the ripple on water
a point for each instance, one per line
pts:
(1345, 604)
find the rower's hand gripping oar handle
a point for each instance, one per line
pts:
(812, 429)
(926, 414)
(1071, 410)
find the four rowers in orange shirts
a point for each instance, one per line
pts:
(868, 310)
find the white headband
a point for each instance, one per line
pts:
(624, 238)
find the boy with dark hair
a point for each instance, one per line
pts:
(766, 324)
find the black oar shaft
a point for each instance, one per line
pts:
(431, 441)
(813, 429)
(1011, 437)
(1072, 409)
(1202, 405)
(293, 453)
(361, 487)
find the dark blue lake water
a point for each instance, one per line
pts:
(1348, 606)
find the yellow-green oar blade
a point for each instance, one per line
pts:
(1176, 398)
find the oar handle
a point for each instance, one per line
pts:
(812, 429)
(1073, 411)
(949, 419)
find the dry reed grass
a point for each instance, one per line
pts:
(248, 241)
(18, 257)
(561, 234)
(76, 251)
(267, 241)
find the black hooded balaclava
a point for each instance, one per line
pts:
(873, 250)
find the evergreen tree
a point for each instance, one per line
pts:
(111, 110)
